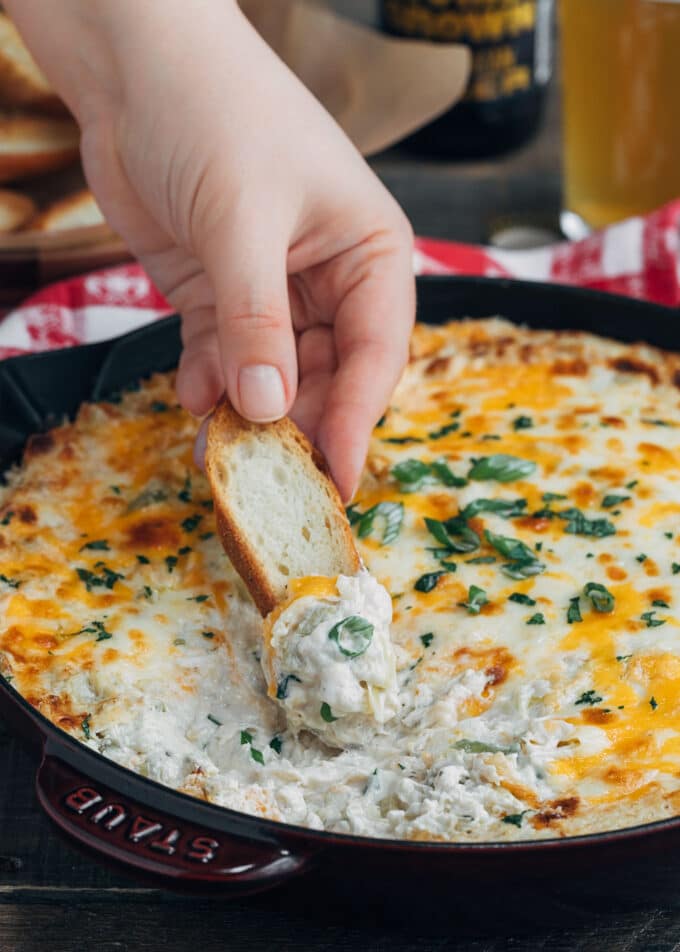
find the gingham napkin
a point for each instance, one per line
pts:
(639, 258)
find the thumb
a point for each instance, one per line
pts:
(254, 329)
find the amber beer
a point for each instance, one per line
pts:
(621, 91)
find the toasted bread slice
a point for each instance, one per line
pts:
(278, 512)
(78, 210)
(22, 84)
(15, 210)
(30, 145)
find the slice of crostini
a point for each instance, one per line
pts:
(278, 512)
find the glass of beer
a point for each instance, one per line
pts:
(621, 109)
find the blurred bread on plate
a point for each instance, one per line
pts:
(78, 210)
(16, 210)
(22, 84)
(31, 145)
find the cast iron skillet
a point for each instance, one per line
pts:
(184, 843)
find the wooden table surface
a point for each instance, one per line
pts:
(53, 897)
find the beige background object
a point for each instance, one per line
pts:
(378, 88)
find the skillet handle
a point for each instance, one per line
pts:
(173, 853)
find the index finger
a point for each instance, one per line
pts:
(372, 330)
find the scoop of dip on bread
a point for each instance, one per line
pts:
(327, 656)
(329, 659)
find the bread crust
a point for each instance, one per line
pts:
(15, 210)
(31, 145)
(53, 217)
(22, 84)
(227, 427)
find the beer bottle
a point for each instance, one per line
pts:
(511, 45)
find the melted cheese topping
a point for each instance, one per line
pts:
(513, 472)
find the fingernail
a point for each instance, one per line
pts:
(261, 394)
(201, 443)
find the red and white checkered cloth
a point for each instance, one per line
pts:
(639, 258)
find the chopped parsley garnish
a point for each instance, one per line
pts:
(86, 727)
(212, 718)
(428, 581)
(97, 628)
(650, 621)
(482, 560)
(206, 535)
(444, 431)
(660, 603)
(507, 508)
(427, 639)
(553, 497)
(246, 738)
(490, 436)
(476, 598)
(184, 495)
(574, 610)
(171, 562)
(179, 641)
(589, 697)
(502, 468)
(653, 703)
(7, 518)
(12, 582)
(455, 534)
(327, 714)
(352, 635)
(115, 490)
(276, 744)
(632, 484)
(147, 592)
(142, 559)
(612, 500)
(106, 579)
(257, 755)
(669, 535)
(198, 598)
(97, 545)
(656, 422)
(282, 686)
(402, 440)
(602, 599)
(521, 599)
(522, 423)
(147, 497)
(207, 504)
(159, 406)
(514, 819)
(440, 468)
(412, 473)
(578, 524)
(675, 568)
(641, 558)
(623, 657)
(191, 522)
(523, 563)
(208, 634)
(537, 619)
(391, 512)
(480, 747)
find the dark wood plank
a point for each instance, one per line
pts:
(216, 926)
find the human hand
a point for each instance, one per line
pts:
(246, 204)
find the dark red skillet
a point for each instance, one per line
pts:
(184, 843)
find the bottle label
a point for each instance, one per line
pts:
(509, 39)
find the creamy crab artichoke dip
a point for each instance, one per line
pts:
(329, 660)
